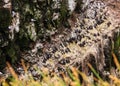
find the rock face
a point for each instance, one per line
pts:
(58, 38)
(92, 28)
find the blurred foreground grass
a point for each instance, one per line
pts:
(72, 79)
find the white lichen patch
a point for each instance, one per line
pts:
(71, 5)
(14, 27)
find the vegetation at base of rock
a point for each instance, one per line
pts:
(72, 79)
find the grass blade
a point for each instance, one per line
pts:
(116, 61)
(93, 70)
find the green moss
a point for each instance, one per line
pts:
(64, 13)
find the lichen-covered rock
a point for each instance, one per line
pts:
(88, 38)
(56, 35)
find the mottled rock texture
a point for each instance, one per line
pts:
(53, 36)
(88, 39)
